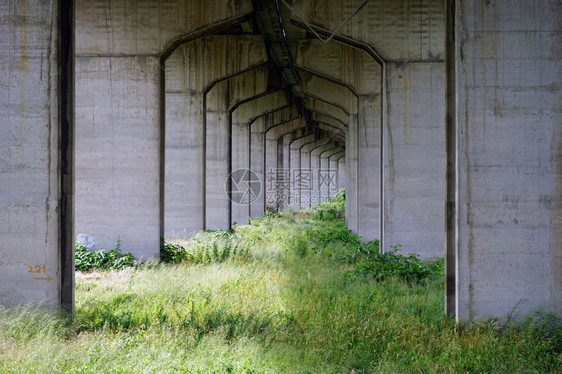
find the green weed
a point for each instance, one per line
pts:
(101, 259)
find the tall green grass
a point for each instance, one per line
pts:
(289, 293)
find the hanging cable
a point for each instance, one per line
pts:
(336, 31)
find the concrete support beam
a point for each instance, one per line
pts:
(509, 146)
(36, 225)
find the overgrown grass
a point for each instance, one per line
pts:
(289, 293)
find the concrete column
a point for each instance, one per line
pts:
(342, 182)
(414, 154)
(334, 165)
(321, 175)
(301, 177)
(118, 163)
(119, 113)
(306, 188)
(187, 77)
(509, 146)
(312, 165)
(244, 141)
(36, 226)
(220, 100)
(270, 121)
(274, 180)
(351, 195)
(329, 174)
(257, 163)
(410, 36)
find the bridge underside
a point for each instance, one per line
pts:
(138, 121)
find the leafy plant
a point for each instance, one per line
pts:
(205, 248)
(101, 259)
(382, 266)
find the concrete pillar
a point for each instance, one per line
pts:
(414, 156)
(221, 186)
(312, 165)
(360, 98)
(188, 75)
(329, 175)
(119, 112)
(334, 165)
(318, 193)
(342, 181)
(509, 146)
(300, 173)
(273, 178)
(259, 150)
(294, 167)
(257, 163)
(408, 39)
(36, 225)
(244, 141)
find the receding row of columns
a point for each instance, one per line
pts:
(451, 133)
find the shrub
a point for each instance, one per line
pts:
(382, 266)
(101, 259)
(333, 209)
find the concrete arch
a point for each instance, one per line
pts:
(221, 100)
(193, 80)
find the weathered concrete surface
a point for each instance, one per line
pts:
(342, 180)
(335, 165)
(118, 158)
(148, 27)
(33, 232)
(414, 185)
(508, 171)
(188, 75)
(119, 112)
